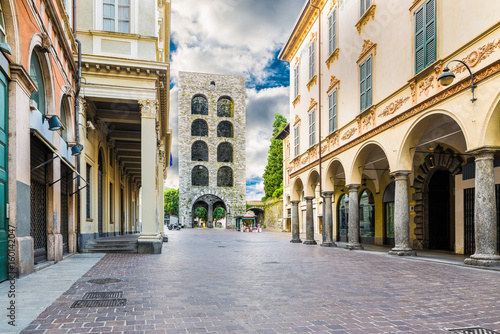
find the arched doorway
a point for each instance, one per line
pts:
(439, 198)
(367, 217)
(259, 215)
(388, 201)
(343, 218)
(214, 210)
(100, 194)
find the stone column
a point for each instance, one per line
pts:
(328, 221)
(485, 224)
(353, 222)
(309, 222)
(150, 240)
(402, 216)
(210, 216)
(295, 222)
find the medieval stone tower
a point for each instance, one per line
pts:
(212, 167)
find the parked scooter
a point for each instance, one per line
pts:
(173, 226)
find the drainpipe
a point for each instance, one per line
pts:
(77, 129)
(319, 112)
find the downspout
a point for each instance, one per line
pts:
(77, 130)
(319, 115)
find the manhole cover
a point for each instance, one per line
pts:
(103, 295)
(104, 280)
(471, 330)
(99, 303)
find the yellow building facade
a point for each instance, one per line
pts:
(381, 151)
(123, 118)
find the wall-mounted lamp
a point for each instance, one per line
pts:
(212, 85)
(54, 123)
(447, 77)
(76, 149)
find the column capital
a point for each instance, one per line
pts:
(401, 174)
(482, 152)
(308, 198)
(295, 202)
(149, 108)
(353, 187)
(328, 193)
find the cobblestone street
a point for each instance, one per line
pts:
(220, 281)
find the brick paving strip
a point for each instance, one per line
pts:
(260, 283)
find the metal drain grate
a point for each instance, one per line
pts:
(471, 330)
(103, 295)
(99, 303)
(105, 280)
(272, 262)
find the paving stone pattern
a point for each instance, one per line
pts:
(221, 281)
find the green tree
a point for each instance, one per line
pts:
(201, 213)
(273, 173)
(219, 213)
(171, 203)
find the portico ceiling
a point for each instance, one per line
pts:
(123, 123)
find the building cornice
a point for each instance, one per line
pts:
(301, 30)
(445, 94)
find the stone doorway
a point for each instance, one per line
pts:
(210, 203)
(439, 210)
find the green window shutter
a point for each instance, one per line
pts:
(362, 92)
(419, 40)
(430, 32)
(332, 32)
(368, 82)
(425, 35)
(332, 111)
(362, 9)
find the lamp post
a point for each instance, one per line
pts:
(447, 77)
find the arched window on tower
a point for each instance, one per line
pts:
(225, 107)
(199, 128)
(225, 152)
(199, 176)
(199, 105)
(225, 129)
(199, 151)
(225, 177)
(37, 76)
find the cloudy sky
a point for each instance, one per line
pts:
(239, 37)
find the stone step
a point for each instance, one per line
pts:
(110, 250)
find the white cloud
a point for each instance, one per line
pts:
(230, 36)
(237, 37)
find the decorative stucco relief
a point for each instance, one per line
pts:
(394, 106)
(349, 133)
(426, 85)
(477, 56)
